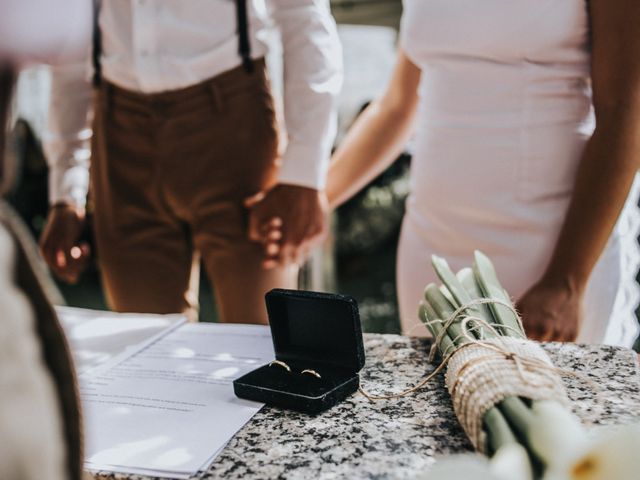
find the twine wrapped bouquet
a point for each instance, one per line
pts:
(506, 392)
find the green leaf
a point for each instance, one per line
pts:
(468, 281)
(487, 280)
(429, 316)
(459, 294)
(450, 281)
(444, 310)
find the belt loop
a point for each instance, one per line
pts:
(216, 96)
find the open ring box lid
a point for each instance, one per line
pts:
(310, 330)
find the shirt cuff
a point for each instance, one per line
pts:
(69, 186)
(304, 166)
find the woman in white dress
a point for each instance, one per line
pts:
(526, 115)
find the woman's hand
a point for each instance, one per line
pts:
(551, 311)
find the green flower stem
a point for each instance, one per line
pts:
(490, 286)
(459, 294)
(428, 314)
(499, 432)
(519, 416)
(444, 310)
(468, 281)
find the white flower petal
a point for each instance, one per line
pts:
(557, 436)
(614, 455)
(511, 462)
(555, 475)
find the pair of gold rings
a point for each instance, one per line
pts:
(306, 371)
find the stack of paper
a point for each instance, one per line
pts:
(97, 336)
(167, 407)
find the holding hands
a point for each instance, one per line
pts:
(288, 220)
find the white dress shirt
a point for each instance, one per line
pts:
(159, 45)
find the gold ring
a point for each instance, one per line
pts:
(311, 372)
(280, 363)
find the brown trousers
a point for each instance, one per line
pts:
(169, 175)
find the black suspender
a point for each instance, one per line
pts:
(244, 47)
(244, 44)
(96, 50)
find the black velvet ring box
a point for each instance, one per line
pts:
(311, 331)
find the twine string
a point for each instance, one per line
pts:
(499, 345)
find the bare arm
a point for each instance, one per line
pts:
(607, 169)
(377, 137)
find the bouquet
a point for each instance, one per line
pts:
(507, 394)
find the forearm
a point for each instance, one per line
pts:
(312, 81)
(376, 139)
(68, 134)
(605, 175)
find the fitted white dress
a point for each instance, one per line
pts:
(505, 112)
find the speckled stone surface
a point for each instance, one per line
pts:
(401, 438)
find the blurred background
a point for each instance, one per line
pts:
(358, 259)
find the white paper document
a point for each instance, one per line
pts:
(168, 408)
(97, 336)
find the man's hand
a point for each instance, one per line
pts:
(552, 311)
(288, 220)
(60, 242)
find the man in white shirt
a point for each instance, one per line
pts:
(184, 131)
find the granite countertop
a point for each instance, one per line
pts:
(402, 437)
